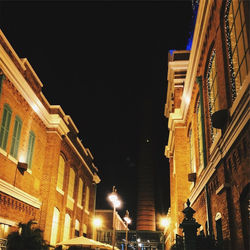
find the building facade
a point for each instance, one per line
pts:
(208, 118)
(46, 174)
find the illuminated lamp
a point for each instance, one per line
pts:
(220, 118)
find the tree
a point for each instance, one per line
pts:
(26, 238)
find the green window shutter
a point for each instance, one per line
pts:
(5, 126)
(1, 83)
(16, 137)
(30, 149)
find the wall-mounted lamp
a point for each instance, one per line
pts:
(22, 167)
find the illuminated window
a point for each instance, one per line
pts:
(200, 136)
(80, 188)
(30, 149)
(192, 152)
(77, 228)
(54, 228)
(87, 199)
(213, 100)
(16, 137)
(66, 232)
(5, 126)
(71, 183)
(237, 44)
(84, 227)
(60, 176)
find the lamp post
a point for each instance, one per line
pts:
(127, 221)
(116, 203)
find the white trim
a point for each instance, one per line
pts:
(22, 86)
(80, 206)
(59, 190)
(13, 159)
(3, 152)
(19, 194)
(7, 222)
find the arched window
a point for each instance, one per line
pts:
(200, 135)
(77, 228)
(60, 176)
(237, 44)
(66, 232)
(54, 228)
(31, 146)
(71, 183)
(80, 189)
(5, 126)
(87, 199)
(192, 151)
(212, 90)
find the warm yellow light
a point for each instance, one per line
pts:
(165, 222)
(97, 222)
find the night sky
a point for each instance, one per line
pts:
(105, 63)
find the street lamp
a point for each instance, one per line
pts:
(127, 221)
(165, 222)
(116, 203)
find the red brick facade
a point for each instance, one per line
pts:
(34, 194)
(220, 190)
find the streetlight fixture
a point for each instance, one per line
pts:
(116, 203)
(165, 222)
(127, 221)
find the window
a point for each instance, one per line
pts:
(200, 136)
(71, 183)
(213, 103)
(237, 44)
(54, 229)
(87, 199)
(85, 228)
(30, 149)
(60, 176)
(80, 188)
(77, 228)
(1, 83)
(5, 126)
(66, 232)
(16, 137)
(192, 152)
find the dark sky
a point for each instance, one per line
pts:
(105, 63)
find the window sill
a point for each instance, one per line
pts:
(13, 159)
(59, 190)
(3, 152)
(29, 171)
(80, 206)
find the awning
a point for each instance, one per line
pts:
(85, 242)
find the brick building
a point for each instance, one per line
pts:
(208, 117)
(46, 174)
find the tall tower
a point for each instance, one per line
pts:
(146, 176)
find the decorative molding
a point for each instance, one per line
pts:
(19, 194)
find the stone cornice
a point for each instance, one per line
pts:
(15, 76)
(19, 194)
